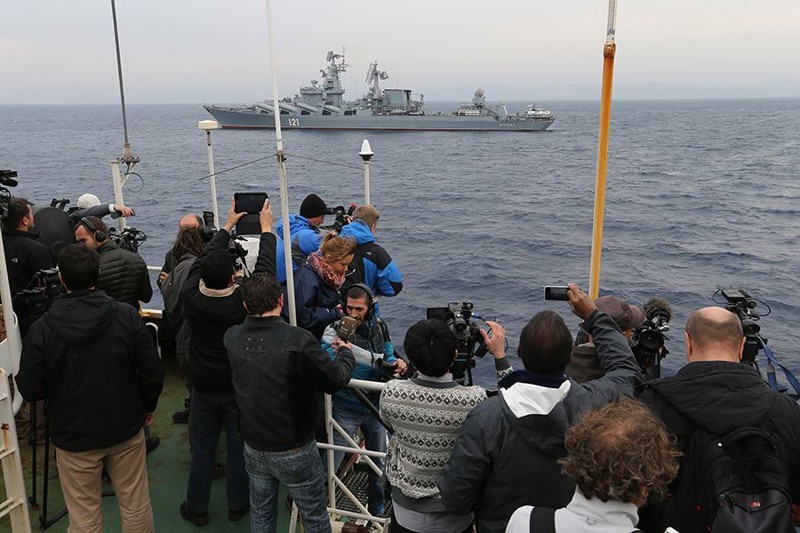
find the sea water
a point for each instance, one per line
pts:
(701, 194)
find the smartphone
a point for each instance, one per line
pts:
(555, 293)
(249, 202)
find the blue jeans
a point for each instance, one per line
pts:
(300, 470)
(209, 414)
(375, 436)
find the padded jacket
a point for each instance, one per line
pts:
(123, 275)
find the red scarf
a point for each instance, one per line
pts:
(325, 271)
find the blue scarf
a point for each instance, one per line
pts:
(552, 381)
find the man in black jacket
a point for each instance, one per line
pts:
(123, 274)
(508, 451)
(213, 303)
(24, 254)
(717, 393)
(278, 370)
(93, 361)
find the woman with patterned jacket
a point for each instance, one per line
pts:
(426, 413)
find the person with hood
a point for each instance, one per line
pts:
(518, 435)
(303, 232)
(88, 205)
(426, 413)
(93, 361)
(371, 265)
(718, 394)
(317, 284)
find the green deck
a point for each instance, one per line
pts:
(168, 468)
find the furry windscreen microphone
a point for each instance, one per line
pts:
(658, 307)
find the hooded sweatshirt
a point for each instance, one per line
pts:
(305, 239)
(372, 265)
(93, 361)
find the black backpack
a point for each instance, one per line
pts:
(734, 482)
(543, 520)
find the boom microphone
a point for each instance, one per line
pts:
(658, 307)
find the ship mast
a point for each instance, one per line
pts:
(609, 50)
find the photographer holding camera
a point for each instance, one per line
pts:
(24, 254)
(426, 413)
(529, 417)
(303, 232)
(371, 344)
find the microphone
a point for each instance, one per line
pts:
(658, 312)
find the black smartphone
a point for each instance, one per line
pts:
(249, 202)
(555, 293)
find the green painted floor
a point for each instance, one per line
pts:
(168, 468)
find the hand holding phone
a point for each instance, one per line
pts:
(556, 292)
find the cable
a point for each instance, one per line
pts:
(334, 163)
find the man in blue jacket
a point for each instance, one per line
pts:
(371, 265)
(304, 233)
(370, 342)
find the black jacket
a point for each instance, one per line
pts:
(24, 257)
(209, 317)
(317, 302)
(95, 363)
(507, 453)
(123, 275)
(719, 397)
(278, 370)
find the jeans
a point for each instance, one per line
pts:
(375, 436)
(300, 470)
(209, 414)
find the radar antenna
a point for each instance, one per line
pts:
(374, 76)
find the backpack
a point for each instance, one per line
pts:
(734, 482)
(543, 520)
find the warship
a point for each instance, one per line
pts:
(322, 106)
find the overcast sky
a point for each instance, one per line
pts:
(52, 51)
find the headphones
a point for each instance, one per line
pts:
(99, 235)
(370, 296)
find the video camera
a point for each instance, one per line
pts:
(128, 239)
(458, 317)
(6, 180)
(35, 299)
(341, 216)
(648, 339)
(739, 302)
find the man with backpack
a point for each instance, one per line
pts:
(741, 440)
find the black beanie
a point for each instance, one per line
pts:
(312, 206)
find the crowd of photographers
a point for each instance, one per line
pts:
(561, 445)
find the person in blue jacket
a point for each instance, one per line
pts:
(304, 232)
(371, 265)
(370, 342)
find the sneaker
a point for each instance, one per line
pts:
(235, 516)
(198, 519)
(181, 417)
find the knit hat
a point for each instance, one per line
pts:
(88, 200)
(626, 316)
(312, 206)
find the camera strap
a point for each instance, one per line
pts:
(773, 382)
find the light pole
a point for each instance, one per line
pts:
(208, 126)
(366, 154)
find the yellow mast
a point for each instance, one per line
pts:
(609, 49)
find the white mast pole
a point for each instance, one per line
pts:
(287, 244)
(366, 154)
(207, 126)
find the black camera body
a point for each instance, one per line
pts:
(648, 342)
(128, 239)
(340, 215)
(739, 302)
(35, 299)
(458, 317)
(6, 180)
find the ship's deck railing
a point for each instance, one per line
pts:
(334, 483)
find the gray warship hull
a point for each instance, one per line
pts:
(252, 119)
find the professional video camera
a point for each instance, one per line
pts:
(35, 299)
(342, 217)
(648, 339)
(128, 239)
(6, 180)
(458, 317)
(739, 302)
